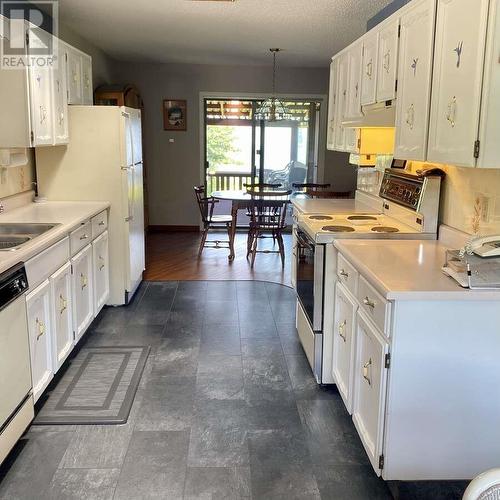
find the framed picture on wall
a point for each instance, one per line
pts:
(175, 114)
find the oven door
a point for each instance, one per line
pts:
(310, 269)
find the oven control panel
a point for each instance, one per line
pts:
(405, 191)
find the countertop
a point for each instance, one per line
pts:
(329, 206)
(68, 214)
(407, 270)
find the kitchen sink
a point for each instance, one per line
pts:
(12, 242)
(13, 235)
(30, 229)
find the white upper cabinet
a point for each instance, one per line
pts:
(388, 41)
(41, 93)
(416, 48)
(332, 98)
(457, 82)
(87, 87)
(60, 101)
(79, 74)
(74, 73)
(355, 56)
(341, 105)
(369, 68)
(36, 98)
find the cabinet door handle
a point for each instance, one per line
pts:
(410, 116)
(369, 69)
(101, 267)
(101, 223)
(63, 304)
(366, 371)
(84, 237)
(41, 328)
(368, 302)
(451, 113)
(344, 274)
(43, 114)
(387, 61)
(342, 330)
(83, 280)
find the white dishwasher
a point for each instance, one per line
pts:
(16, 401)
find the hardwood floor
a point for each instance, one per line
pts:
(174, 256)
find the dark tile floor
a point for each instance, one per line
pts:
(227, 409)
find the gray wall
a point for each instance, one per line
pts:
(174, 168)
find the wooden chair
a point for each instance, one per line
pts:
(211, 221)
(267, 215)
(261, 186)
(311, 189)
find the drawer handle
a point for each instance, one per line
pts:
(101, 223)
(63, 303)
(84, 237)
(41, 328)
(366, 371)
(341, 330)
(101, 267)
(344, 274)
(83, 280)
(369, 303)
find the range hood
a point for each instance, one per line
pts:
(382, 114)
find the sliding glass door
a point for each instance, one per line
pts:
(239, 149)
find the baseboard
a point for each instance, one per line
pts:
(173, 229)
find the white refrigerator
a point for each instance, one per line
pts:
(103, 162)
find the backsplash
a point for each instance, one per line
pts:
(14, 180)
(471, 198)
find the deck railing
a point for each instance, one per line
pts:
(228, 180)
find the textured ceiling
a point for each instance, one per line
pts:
(194, 31)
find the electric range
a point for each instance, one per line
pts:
(410, 207)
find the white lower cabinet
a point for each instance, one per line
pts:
(62, 318)
(343, 343)
(82, 284)
(370, 380)
(39, 328)
(101, 271)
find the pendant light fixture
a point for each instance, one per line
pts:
(273, 109)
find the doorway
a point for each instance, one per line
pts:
(240, 149)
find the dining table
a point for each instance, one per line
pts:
(240, 199)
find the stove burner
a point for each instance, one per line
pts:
(339, 229)
(385, 229)
(361, 217)
(320, 217)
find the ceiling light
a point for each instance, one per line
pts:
(273, 109)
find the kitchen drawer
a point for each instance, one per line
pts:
(347, 274)
(99, 224)
(80, 237)
(375, 306)
(40, 267)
